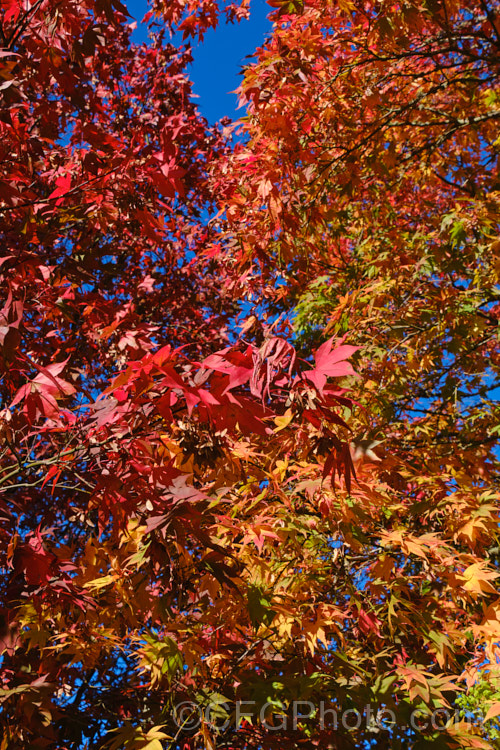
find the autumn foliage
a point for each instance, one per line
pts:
(249, 415)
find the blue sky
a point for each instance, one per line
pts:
(218, 61)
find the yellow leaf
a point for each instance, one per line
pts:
(283, 421)
(157, 733)
(99, 583)
(476, 579)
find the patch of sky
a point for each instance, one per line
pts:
(217, 61)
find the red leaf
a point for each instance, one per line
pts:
(63, 186)
(368, 622)
(330, 363)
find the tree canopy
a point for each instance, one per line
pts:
(249, 386)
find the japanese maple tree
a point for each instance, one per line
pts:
(366, 201)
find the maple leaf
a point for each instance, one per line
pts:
(493, 711)
(330, 363)
(476, 578)
(63, 186)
